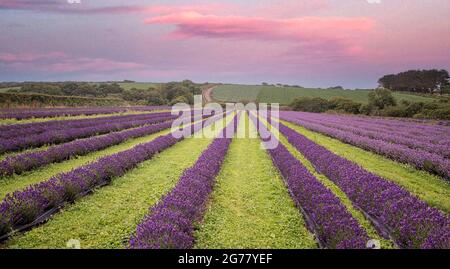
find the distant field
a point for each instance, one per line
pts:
(138, 85)
(285, 95)
(7, 89)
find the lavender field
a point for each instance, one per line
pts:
(121, 180)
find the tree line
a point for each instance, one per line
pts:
(162, 94)
(418, 81)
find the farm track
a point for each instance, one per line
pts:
(207, 94)
(250, 207)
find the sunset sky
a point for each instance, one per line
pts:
(315, 43)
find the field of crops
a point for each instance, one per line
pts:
(285, 95)
(137, 85)
(110, 178)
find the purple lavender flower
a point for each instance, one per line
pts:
(170, 223)
(325, 215)
(393, 210)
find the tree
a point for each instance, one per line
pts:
(381, 98)
(105, 89)
(420, 81)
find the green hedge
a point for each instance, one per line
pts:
(43, 100)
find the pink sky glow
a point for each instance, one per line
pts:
(315, 43)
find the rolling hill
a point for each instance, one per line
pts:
(285, 95)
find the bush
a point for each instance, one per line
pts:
(441, 113)
(308, 104)
(179, 99)
(381, 98)
(42, 100)
(344, 105)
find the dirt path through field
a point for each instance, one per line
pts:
(207, 94)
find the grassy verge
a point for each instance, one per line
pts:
(431, 189)
(250, 206)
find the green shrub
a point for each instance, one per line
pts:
(344, 105)
(43, 100)
(381, 98)
(308, 104)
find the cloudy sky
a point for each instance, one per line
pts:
(312, 43)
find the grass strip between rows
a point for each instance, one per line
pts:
(28, 208)
(392, 210)
(250, 207)
(108, 217)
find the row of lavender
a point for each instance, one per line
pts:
(27, 161)
(392, 210)
(24, 207)
(21, 114)
(432, 140)
(324, 213)
(170, 223)
(68, 134)
(421, 159)
(13, 130)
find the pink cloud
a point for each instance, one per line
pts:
(28, 57)
(191, 24)
(328, 36)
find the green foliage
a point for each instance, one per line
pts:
(438, 110)
(344, 105)
(71, 89)
(40, 88)
(179, 99)
(149, 96)
(43, 100)
(317, 104)
(435, 110)
(308, 104)
(420, 81)
(381, 98)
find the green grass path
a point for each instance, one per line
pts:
(430, 188)
(250, 205)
